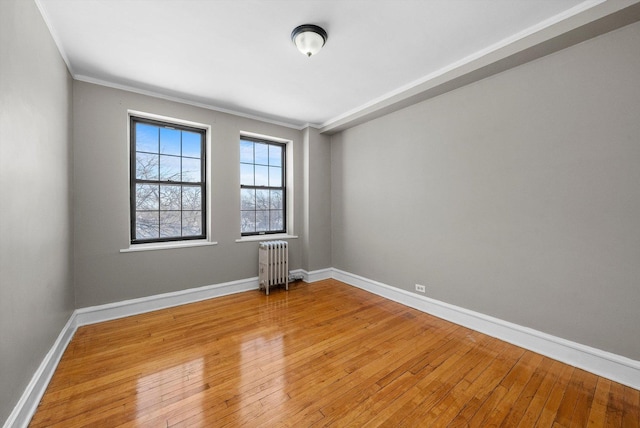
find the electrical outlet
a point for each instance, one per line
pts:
(420, 288)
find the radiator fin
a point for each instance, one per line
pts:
(273, 264)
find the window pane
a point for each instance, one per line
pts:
(248, 221)
(275, 199)
(262, 175)
(170, 197)
(191, 223)
(246, 151)
(170, 224)
(147, 197)
(275, 176)
(262, 154)
(147, 166)
(169, 168)
(166, 152)
(275, 155)
(191, 170)
(246, 174)
(247, 199)
(275, 220)
(191, 198)
(262, 221)
(262, 196)
(146, 138)
(147, 225)
(191, 144)
(262, 199)
(170, 141)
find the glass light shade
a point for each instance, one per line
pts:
(309, 39)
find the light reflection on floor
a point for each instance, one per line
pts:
(156, 391)
(268, 350)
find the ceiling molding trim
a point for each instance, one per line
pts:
(536, 41)
(54, 36)
(180, 100)
(311, 125)
(471, 58)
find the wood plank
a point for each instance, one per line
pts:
(522, 403)
(321, 354)
(598, 410)
(493, 376)
(586, 393)
(569, 399)
(548, 414)
(451, 400)
(615, 406)
(538, 401)
(631, 412)
(514, 384)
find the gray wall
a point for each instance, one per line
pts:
(517, 196)
(316, 236)
(36, 284)
(102, 273)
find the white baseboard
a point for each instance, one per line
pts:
(110, 311)
(602, 363)
(611, 366)
(316, 275)
(28, 403)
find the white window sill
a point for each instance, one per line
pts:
(166, 246)
(254, 238)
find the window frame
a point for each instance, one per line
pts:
(169, 123)
(283, 146)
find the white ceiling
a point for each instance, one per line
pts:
(236, 55)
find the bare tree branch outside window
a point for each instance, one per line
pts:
(262, 187)
(167, 182)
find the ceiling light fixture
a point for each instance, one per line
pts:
(309, 38)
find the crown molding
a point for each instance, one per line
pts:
(154, 94)
(587, 20)
(54, 35)
(583, 22)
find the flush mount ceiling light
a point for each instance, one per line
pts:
(309, 38)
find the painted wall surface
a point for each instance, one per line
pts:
(36, 283)
(517, 196)
(316, 238)
(101, 166)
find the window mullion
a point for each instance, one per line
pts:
(261, 163)
(149, 137)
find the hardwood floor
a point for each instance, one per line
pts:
(320, 354)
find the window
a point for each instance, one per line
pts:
(168, 185)
(262, 187)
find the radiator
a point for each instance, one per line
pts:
(273, 264)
